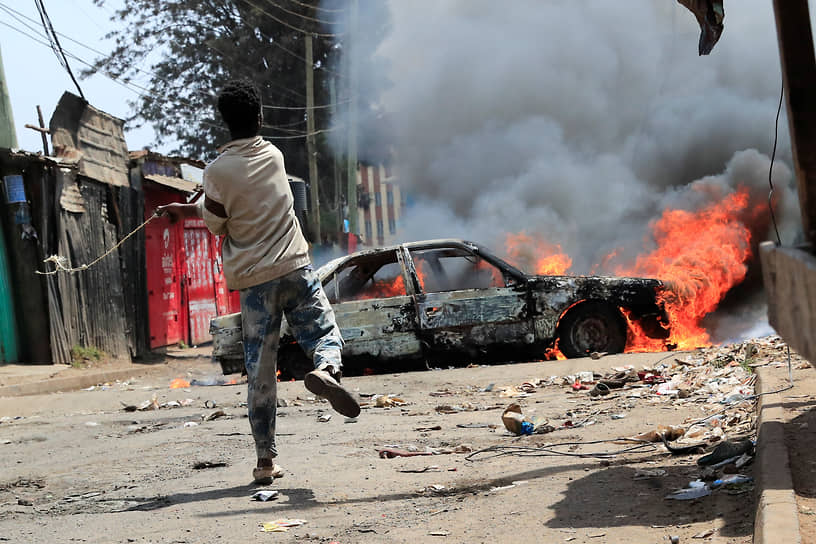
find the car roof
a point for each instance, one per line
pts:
(426, 244)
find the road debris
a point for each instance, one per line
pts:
(696, 489)
(385, 401)
(265, 495)
(728, 451)
(208, 464)
(281, 525)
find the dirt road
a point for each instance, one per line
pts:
(77, 467)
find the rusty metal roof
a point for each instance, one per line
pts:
(179, 184)
(95, 138)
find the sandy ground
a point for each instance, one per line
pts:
(76, 467)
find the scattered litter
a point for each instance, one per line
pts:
(504, 487)
(669, 433)
(725, 452)
(432, 468)
(731, 480)
(514, 420)
(476, 426)
(390, 453)
(439, 533)
(323, 418)
(435, 488)
(265, 495)
(190, 424)
(208, 464)
(210, 404)
(618, 416)
(696, 490)
(444, 393)
(215, 415)
(281, 525)
(91, 424)
(426, 429)
(387, 401)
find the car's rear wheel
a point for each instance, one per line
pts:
(590, 327)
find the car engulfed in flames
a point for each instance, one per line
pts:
(453, 302)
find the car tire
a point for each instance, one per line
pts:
(590, 327)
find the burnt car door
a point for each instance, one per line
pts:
(376, 316)
(469, 309)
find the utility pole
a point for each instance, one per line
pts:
(311, 147)
(338, 207)
(8, 136)
(352, 120)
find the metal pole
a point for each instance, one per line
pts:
(352, 141)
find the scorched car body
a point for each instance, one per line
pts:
(454, 302)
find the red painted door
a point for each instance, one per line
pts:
(165, 309)
(199, 282)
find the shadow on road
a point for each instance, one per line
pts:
(612, 497)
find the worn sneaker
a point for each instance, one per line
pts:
(265, 474)
(325, 382)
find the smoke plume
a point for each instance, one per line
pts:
(578, 122)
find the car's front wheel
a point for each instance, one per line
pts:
(590, 327)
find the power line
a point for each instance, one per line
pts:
(55, 45)
(321, 21)
(315, 133)
(132, 87)
(143, 91)
(292, 27)
(11, 11)
(318, 8)
(320, 107)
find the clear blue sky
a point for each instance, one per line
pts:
(35, 77)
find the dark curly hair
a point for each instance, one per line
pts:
(239, 103)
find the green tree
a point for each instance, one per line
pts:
(182, 51)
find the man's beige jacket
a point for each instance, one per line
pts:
(263, 237)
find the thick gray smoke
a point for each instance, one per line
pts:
(578, 122)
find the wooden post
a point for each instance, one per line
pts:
(799, 77)
(311, 147)
(42, 133)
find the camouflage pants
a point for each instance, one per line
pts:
(300, 297)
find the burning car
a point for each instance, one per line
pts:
(454, 302)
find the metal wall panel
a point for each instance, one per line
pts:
(8, 323)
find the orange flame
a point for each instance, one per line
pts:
(537, 255)
(179, 383)
(701, 255)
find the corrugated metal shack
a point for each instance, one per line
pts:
(77, 205)
(185, 283)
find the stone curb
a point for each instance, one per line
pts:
(53, 385)
(777, 516)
